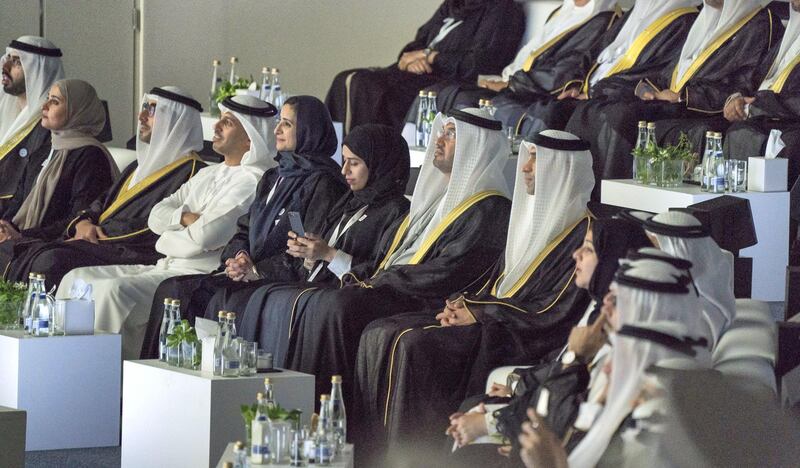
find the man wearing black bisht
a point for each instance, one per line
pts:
(721, 55)
(113, 230)
(557, 58)
(414, 369)
(454, 233)
(30, 67)
(306, 180)
(463, 39)
(644, 41)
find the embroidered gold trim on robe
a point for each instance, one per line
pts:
(677, 84)
(126, 193)
(779, 83)
(538, 260)
(18, 137)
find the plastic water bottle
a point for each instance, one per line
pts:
(162, 332)
(324, 436)
(338, 414)
(276, 94)
(230, 355)
(219, 342)
(259, 433)
(422, 114)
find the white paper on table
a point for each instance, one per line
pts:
(774, 144)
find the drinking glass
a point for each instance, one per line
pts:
(736, 173)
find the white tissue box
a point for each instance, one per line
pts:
(767, 175)
(76, 316)
(207, 362)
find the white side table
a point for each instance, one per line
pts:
(182, 418)
(69, 386)
(345, 461)
(770, 217)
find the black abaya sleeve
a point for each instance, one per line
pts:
(90, 175)
(460, 257)
(426, 32)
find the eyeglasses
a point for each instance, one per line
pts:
(149, 107)
(449, 134)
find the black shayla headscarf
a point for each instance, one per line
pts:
(316, 144)
(316, 140)
(612, 237)
(385, 152)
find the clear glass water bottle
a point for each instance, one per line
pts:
(239, 455)
(43, 322)
(230, 353)
(717, 177)
(269, 393)
(266, 84)
(641, 143)
(432, 111)
(708, 156)
(219, 342)
(260, 432)
(31, 297)
(324, 436)
(422, 114)
(276, 93)
(338, 414)
(162, 332)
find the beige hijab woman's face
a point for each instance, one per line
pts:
(54, 110)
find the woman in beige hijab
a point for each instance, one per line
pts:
(75, 171)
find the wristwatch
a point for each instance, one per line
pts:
(427, 51)
(569, 358)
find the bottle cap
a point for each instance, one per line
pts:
(651, 125)
(275, 71)
(323, 397)
(336, 379)
(431, 93)
(642, 123)
(267, 381)
(216, 63)
(709, 134)
(259, 396)
(221, 314)
(234, 59)
(32, 275)
(40, 276)
(488, 102)
(167, 300)
(717, 135)
(264, 70)
(231, 315)
(176, 302)
(227, 465)
(238, 445)
(422, 93)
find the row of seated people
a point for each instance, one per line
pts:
(688, 65)
(503, 268)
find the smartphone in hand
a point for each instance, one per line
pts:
(297, 223)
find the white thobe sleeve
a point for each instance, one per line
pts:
(216, 224)
(166, 214)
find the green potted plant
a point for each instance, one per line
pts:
(227, 89)
(674, 160)
(184, 346)
(12, 298)
(276, 414)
